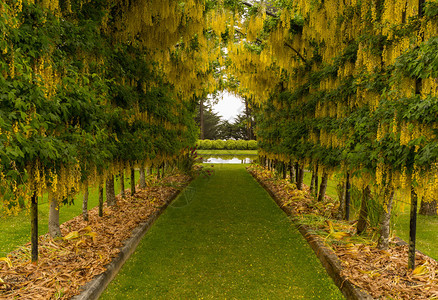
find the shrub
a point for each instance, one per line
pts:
(242, 145)
(252, 145)
(205, 144)
(230, 145)
(218, 145)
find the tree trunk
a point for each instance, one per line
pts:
(428, 208)
(341, 195)
(54, 229)
(297, 172)
(316, 180)
(347, 197)
(363, 215)
(248, 120)
(132, 181)
(323, 187)
(122, 183)
(412, 230)
(100, 199)
(85, 202)
(300, 178)
(283, 166)
(346, 212)
(312, 183)
(385, 222)
(110, 192)
(142, 181)
(291, 172)
(34, 227)
(201, 118)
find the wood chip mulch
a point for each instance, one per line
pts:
(383, 274)
(67, 264)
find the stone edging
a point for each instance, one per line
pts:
(328, 258)
(93, 289)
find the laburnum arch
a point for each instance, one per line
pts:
(340, 86)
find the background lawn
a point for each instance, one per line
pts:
(227, 152)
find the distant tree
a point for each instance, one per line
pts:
(211, 123)
(226, 130)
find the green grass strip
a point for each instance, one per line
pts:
(227, 152)
(223, 237)
(427, 232)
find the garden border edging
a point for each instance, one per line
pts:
(93, 289)
(328, 258)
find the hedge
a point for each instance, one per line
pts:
(227, 145)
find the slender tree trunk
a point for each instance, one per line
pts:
(300, 178)
(323, 187)
(385, 222)
(312, 183)
(341, 195)
(201, 117)
(142, 181)
(248, 120)
(412, 230)
(414, 197)
(428, 208)
(363, 215)
(283, 166)
(297, 172)
(316, 179)
(122, 183)
(85, 202)
(347, 197)
(54, 229)
(132, 181)
(291, 172)
(34, 227)
(158, 172)
(100, 199)
(110, 192)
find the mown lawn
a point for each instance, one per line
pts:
(227, 152)
(225, 238)
(16, 229)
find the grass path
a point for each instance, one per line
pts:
(223, 238)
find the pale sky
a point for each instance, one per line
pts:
(229, 106)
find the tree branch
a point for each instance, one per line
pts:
(267, 12)
(297, 53)
(286, 44)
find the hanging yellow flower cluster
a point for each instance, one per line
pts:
(257, 75)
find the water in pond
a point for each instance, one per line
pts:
(229, 159)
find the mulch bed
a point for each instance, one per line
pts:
(67, 264)
(383, 274)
